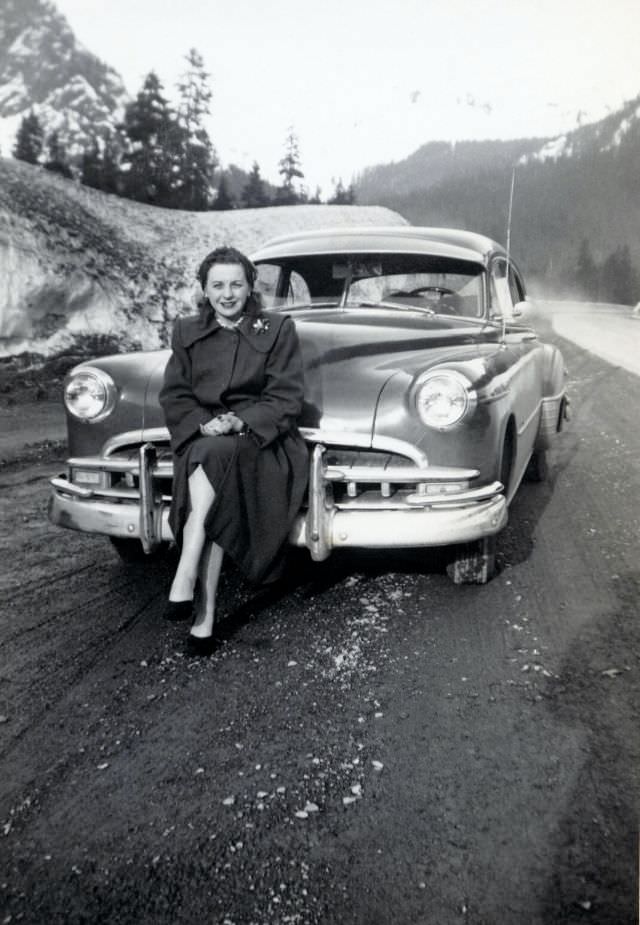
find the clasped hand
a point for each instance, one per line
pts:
(228, 423)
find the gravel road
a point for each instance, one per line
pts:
(373, 745)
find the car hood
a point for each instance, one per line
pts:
(348, 357)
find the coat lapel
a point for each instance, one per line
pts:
(258, 330)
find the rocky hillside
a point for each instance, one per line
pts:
(43, 67)
(85, 271)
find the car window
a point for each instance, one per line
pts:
(443, 285)
(442, 292)
(501, 298)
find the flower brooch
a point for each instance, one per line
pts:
(260, 326)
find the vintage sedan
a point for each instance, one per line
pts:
(427, 401)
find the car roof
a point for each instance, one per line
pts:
(439, 242)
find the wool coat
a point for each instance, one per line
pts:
(259, 477)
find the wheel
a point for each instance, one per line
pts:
(473, 563)
(131, 550)
(537, 469)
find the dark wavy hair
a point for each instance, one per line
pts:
(230, 255)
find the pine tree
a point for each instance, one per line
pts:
(29, 139)
(254, 195)
(586, 274)
(342, 196)
(197, 157)
(619, 278)
(57, 157)
(224, 199)
(91, 166)
(111, 177)
(289, 168)
(152, 159)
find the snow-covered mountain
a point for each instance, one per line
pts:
(608, 134)
(45, 69)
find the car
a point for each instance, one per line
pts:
(428, 398)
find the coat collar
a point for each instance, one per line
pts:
(259, 330)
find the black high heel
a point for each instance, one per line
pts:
(200, 645)
(178, 610)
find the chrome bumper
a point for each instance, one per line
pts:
(430, 515)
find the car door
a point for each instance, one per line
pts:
(526, 367)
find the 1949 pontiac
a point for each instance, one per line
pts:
(426, 403)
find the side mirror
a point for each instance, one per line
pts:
(522, 308)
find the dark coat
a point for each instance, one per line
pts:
(254, 370)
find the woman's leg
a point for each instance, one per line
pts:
(201, 495)
(208, 573)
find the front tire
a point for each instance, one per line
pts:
(473, 563)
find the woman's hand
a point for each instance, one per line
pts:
(228, 423)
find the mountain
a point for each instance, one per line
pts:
(576, 194)
(84, 272)
(43, 67)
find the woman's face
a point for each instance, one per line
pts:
(227, 289)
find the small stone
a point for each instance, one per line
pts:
(356, 790)
(199, 771)
(347, 800)
(377, 765)
(3, 718)
(311, 808)
(228, 801)
(301, 814)
(105, 764)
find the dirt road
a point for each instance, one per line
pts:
(377, 746)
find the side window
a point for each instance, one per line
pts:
(298, 292)
(267, 283)
(515, 287)
(501, 298)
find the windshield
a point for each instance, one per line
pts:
(409, 282)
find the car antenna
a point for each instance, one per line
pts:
(513, 183)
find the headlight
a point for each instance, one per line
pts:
(444, 398)
(90, 394)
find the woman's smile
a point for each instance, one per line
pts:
(227, 289)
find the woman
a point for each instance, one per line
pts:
(232, 392)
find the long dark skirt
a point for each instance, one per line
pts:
(258, 492)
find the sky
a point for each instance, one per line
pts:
(368, 81)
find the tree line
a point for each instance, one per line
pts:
(163, 155)
(613, 279)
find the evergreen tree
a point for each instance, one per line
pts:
(586, 276)
(197, 156)
(29, 139)
(57, 157)
(224, 199)
(290, 169)
(342, 196)
(111, 178)
(619, 279)
(254, 195)
(91, 166)
(316, 199)
(152, 159)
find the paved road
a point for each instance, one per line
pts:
(376, 746)
(612, 332)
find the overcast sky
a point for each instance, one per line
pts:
(366, 81)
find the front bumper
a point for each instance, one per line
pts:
(429, 514)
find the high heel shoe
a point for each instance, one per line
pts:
(200, 645)
(178, 610)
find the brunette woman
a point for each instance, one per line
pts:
(232, 393)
